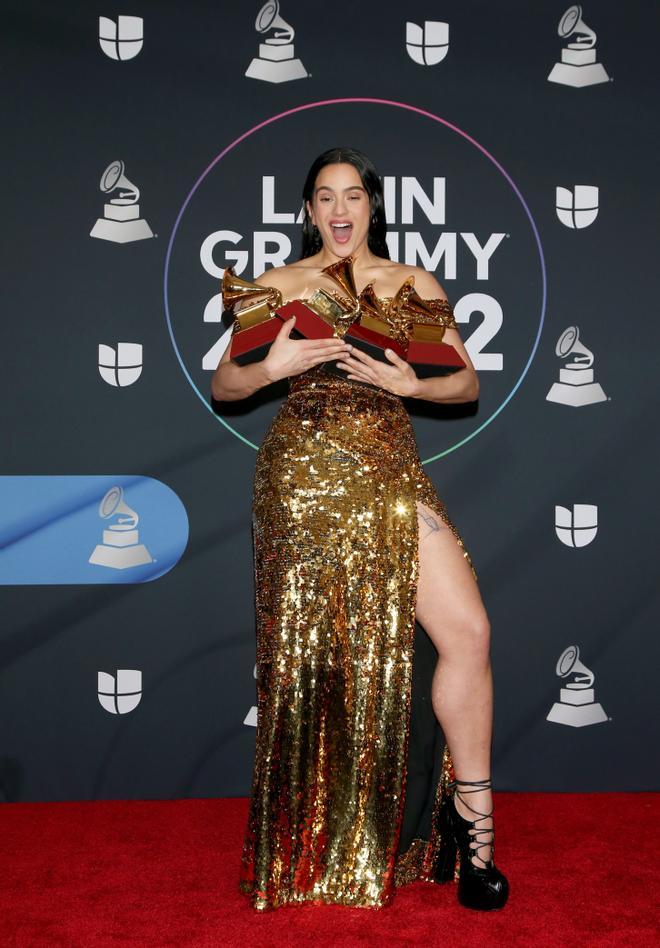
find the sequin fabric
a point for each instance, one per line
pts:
(335, 566)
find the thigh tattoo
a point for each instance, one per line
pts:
(428, 522)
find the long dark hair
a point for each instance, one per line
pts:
(311, 239)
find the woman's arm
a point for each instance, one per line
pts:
(232, 381)
(461, 386)
(399, 377)
(286, 357)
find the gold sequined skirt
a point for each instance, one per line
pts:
(335, 565)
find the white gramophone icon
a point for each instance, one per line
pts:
(576, 706)
(121, 221)
(275, 62)
(121, 547)
(576, 384)
(578, 66)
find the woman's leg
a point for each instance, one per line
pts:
(450, 608)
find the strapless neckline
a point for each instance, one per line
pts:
(386, 300)
(305, 299)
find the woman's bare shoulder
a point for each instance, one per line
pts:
(392, 275)
(276, 276)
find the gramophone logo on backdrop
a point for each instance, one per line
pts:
(276, 61)
(576, 527)
(577, 706)
(578, 66)
(121, 366)
(429, 44)
(121, 222)
(121, 547)
(577, 208)
(83, 528)
(121, 40)
(576, 386)
(121, 694)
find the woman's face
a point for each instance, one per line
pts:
(340, 209)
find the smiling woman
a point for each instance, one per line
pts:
(351, 544)
(341, 229)
(344, 208)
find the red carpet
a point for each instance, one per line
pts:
(582, 867)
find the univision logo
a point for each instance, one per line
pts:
(429, 44)
(122, 366)
(576, 527)
(121, 40)
(121, 694)
(577, 208)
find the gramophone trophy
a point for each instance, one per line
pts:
(370, 331)
(262, 311)
(425, 350)
(255, 325)
(275, 62)
(359, 320)
(576, 386)
(576, 706)
(578, 66)
(121, 548)
(121, 221)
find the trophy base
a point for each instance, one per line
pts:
(121, 232)
(576, 395)
(429, 370)
(270, 71)
(120, 557)
(578, 77)
(576, 715)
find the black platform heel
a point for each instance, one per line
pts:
(479, 887)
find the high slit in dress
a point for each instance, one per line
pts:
(350, 762)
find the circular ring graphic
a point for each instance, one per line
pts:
(372, 101)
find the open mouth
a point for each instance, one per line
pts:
(342, 232)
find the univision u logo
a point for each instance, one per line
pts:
(121, 366)
(122, 39)
(577, 208)
(427, 45)
(576, 527)
(121, 694)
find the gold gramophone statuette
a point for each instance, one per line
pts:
(261, 301)
(325, 306)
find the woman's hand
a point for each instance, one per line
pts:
(398, 378)
(288, 357)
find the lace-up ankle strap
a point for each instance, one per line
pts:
(461, 787)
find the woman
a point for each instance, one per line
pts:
(351, 545)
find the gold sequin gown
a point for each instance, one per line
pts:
(336, 565)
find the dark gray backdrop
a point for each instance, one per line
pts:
(69, 111)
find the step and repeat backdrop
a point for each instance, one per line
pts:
(151, 145)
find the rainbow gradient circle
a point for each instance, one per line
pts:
(372, 101)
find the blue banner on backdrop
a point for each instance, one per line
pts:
(87, 529)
